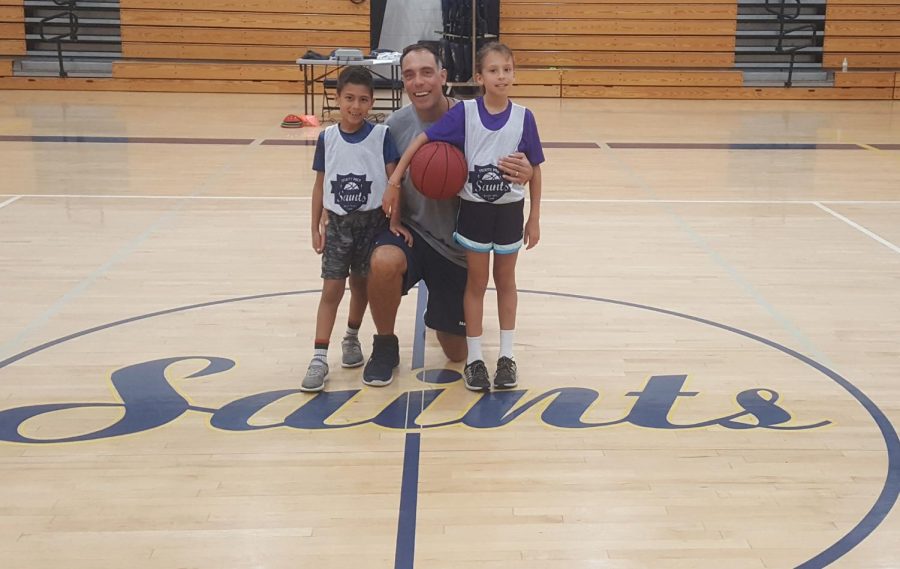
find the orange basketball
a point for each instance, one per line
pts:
(438, 170)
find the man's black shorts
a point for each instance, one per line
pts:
(446, 281)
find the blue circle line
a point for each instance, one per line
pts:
(51, 343)
(873, 518)
(888, 496)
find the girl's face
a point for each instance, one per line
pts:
(497, 73)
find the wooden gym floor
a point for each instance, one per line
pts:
(707, 338)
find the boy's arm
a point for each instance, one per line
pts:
(533, 225)
(391, 199)
(318, 217)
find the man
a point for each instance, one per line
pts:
(433, 257)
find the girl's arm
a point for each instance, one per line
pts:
(396, 227)
(391, 199)
(533, 225)
(318, 217)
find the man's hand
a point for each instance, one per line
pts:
(400, 231)
(516, 168)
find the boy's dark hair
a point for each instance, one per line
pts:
(492, 47)
(355, 75)
(422, 47)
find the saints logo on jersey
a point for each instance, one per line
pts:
(488, 183)
(351, 192)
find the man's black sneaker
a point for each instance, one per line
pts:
(506, 376)
(379, 370)
(477, 378)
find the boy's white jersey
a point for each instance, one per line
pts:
(484, 148)
(355, 178)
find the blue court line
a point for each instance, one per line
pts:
(405, 554)
(47, 345)
(238, 141)
(570, 145)
(127, 140)
(406, 523)
(76, 291)
(564, 145)
(891, 490)
(731, 146)
(276, 142)
(418, 356)
(126, 250)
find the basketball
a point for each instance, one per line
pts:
(438, 170)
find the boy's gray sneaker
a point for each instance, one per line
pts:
(315, 376)
(351, 352)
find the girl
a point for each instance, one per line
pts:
(491, 213)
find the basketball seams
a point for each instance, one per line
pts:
(419, 173)
(426, 175)
(446, 171)
(464, 167)
(441, 162)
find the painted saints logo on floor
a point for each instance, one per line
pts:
(149, 400)
(351, 191)
(488, 183)
(149, 396)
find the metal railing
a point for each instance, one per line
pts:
(71, 17)
(780, 11)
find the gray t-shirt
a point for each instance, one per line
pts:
(434, 220)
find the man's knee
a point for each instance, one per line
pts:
(387, 263)
(454, 346)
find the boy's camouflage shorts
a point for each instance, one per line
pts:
(348, 242)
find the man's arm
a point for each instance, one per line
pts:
(395, 226)
(519, 167)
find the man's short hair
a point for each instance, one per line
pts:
(422, 47)
(355, 75)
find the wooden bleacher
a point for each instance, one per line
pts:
(865, 32)
(246, 46)
(220, 46)
(565, 48)
(12, 28)
(672, 49)
(610, 49)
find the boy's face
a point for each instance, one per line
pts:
(423, 80)
(355, 102)
(497, 73)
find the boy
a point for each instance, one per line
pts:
(353, 160)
